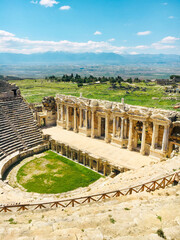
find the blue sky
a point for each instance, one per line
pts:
(119, 26)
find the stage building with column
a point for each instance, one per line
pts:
(149, 131)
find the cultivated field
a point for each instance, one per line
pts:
(35, 90)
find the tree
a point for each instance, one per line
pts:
(119, 80)
(80, 84)
(112, 82)
(52, 78)
(136, 80)
(129, 80)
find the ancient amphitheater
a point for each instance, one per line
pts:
(135, 148)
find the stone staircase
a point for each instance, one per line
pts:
(18, 130)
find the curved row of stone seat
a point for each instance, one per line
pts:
(133, 218)
(9, 140)
(17, 128)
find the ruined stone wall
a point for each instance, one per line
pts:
(8, 90)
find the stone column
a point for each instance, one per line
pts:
(84, 159)
(80, 117)
(99, 126)
(77, 156)
(92, 124)
(67, 117)
(66, 151)
(104, 169)
(165, 138)
(63, 149)
(58, 111)
(62, 112)
(57, 147)
(71, 153)
(75, 119)
(117, 122)
(97, 165)
(143, 140)
(125, 128)
(154, 136)
(107, 128)
(90, 162)
(86, 119)
(89, 119)
(122, 128)
(61, 146)
(130, 135)
(114, 126)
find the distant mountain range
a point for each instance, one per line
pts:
(88, 58)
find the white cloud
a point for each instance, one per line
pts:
(97, 33)
(144, 33)
(12, 44)
(65, 8)
(5, 34)
(171, 17)
(111, 40)
(141, 47)
(169, 39)
(34, 2)
(48, 3)
(133, 53)
(159, 46)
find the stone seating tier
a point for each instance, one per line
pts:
(18, 130)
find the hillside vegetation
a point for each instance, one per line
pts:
(144, 94)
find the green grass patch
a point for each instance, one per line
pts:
(11, 221)
(53, 173)
(127, 209)
(160, 233)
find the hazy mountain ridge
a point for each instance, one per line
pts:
(87, 58)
